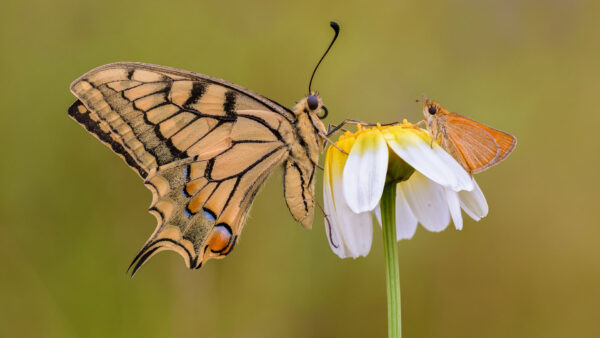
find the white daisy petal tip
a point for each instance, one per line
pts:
(473, 202)
(454, 207)
(462, 179)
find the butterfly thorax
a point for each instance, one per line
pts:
(308, 126)
(300, 167)
(433, 112)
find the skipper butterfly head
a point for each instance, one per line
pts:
(431, 109)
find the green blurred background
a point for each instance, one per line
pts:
(73, 215)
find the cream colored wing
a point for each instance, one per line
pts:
(162, 121)
(201, 205)
(161, 114)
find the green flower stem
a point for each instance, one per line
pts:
(390, 248)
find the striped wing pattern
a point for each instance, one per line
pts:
(204, 146)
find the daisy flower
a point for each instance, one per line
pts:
(430, 187)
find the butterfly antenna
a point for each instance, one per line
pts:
(336, 29)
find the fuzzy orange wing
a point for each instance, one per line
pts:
(473, 144)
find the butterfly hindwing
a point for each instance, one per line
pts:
(200, 210)
(298, 184)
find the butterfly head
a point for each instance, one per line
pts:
(431, 109)
(312, 105)
(310, 111)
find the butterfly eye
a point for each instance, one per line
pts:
(325, 112)
(432, 110)
(313, 102)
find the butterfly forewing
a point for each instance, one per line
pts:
(203, 145)
(102, 131)
(474, 145)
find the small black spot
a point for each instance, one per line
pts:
(196, 93)
(432, 110)
(209, 167)
(229, 104)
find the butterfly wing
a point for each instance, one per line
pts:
(298, 185)
(203, 145)
(201, 204)
(92, 123)
(474, 145)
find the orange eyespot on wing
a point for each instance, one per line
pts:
(474, 145)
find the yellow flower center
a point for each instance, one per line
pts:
(348, 138)
(398, 169)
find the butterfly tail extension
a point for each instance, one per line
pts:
(179, 229)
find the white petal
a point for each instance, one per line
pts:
(406, 222)
(427, 201)
(463, 179)
(356, 229)
(364, 172)
(349, 234)
(377, 212)
(332, 227)
(473, 202)
(454, 206)
(434, 162)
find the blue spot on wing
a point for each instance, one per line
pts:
(187, 213)
(209, 216)
(186, 175)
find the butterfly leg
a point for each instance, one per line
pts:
(334, 126)
(328, 224)
(326, 138)
(335, 129)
